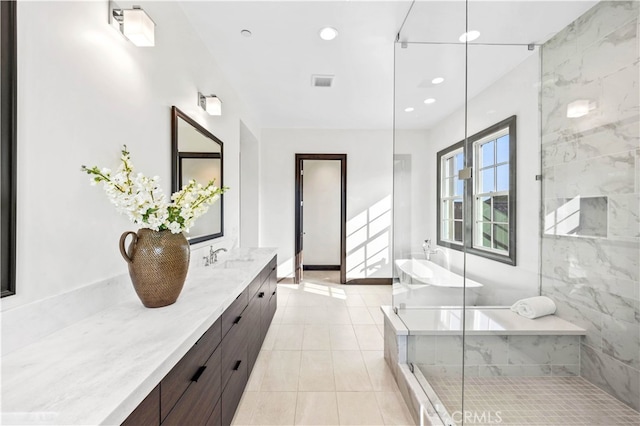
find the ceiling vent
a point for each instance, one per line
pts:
(322, 80)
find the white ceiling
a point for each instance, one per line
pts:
(272, 70)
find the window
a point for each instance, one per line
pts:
(489, 196)
(452, 194)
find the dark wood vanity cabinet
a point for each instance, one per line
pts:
(205, 386)
(147, 412)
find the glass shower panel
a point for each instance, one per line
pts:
(429, 209)
(544, 107)
(503, 82)
(574, 95)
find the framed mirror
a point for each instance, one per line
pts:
(8, 146)
(197, 154)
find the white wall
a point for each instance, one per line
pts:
(413, 173)
(83, 91)
(369, 185)
(321, 212)
(249, 184)
(514, 94)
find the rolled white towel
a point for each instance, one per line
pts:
(534, 307)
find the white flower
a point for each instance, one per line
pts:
(144, 203)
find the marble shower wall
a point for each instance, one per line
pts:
(591, 269)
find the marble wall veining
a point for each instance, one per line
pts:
(486, 355)
(595, 280)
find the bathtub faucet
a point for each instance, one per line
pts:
(426, 247)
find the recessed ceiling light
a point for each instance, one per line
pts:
(429, 101)
(437, 80)
(410, 109)
(328, 33)
(469, 36)
(245, 33)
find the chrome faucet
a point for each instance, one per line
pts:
(213, 254)
(426, 247)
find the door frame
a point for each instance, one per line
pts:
(298, 253)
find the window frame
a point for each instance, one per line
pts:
(446, 153)
(470, 194)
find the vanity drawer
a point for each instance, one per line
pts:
(198, 402)
(234, 350)
(254, 286)
(179, 378)
(216, 416)
(254, 311)
(232, 394)
(233, 314)
(147, 413)
(271, 266)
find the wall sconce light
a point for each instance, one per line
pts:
(212, 104)
(134, 24)
(580, 108)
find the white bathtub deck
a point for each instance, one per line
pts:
(482, 321)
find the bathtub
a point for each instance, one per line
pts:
(432, 285)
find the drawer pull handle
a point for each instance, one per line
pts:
(237, 365)
(261, 294)
(237, 320)
(198, 373)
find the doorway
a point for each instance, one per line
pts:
(320, 224)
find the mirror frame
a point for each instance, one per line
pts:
(177, 156)
(8, 146)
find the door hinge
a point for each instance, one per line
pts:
(301, 172)
(301, 203)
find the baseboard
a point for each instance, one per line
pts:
(370, 281)
(320, 267)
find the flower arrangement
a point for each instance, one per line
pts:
(142, 200)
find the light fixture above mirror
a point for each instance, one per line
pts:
(212, 104)
(135, 24)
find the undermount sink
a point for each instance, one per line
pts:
(233, 263)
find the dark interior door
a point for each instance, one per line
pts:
(299, 206)
(299, 219)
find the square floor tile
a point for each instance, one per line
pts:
(316, 338)
(316, 371)
(350, 372)
(317, 408)
(275, 408)
(282, 371)
(358, 408)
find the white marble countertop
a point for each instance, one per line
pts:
(483, 321)
(98, 370)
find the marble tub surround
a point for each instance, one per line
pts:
(594, 277)
(440, 356)
(98, 370)
(497, 342)
(498, 321)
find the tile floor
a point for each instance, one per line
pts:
(322, 361)
(543, 401)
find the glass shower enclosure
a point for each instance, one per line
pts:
(517, 175)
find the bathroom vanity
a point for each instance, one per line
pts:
(187, 363)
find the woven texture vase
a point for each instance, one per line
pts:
(158, 263)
